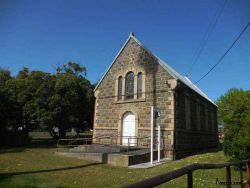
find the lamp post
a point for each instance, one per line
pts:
(155, 114)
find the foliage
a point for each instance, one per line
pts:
(23, 73)
(4, 75)
(72, 68)
(55, 102)
(234, 112)
(11, 131)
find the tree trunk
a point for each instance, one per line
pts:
(57, 135)
(53, 134)
(62, 133)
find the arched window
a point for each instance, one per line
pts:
(139, 85)
(120, 88)
(129, 83)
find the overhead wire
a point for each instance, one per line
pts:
(227, 51)
(206, 36)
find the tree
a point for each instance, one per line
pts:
(72, 102)
(12, 130)
(33, 94)
(60, 102)
(72, 68)
(4, 75)
(23, 73)
(36, 99)
(234, 112)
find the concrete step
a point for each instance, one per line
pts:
(95, 148)
(131, 158)
(114, 155)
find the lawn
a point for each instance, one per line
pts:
(39, 166)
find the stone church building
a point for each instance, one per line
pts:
(136, 80)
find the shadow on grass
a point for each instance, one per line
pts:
(199, 152)
(35, 143)
(211, 150)
(11, 150)
(8, 175)
(42, 143)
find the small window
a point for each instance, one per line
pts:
(119, 88)
(129, 85)
(139, 86)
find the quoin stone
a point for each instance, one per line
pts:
(137, 80)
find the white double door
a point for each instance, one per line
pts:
(128, 129)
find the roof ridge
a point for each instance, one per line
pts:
(130, 35)
(175, 74)
(167, 67)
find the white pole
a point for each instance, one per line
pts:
(159, 140)
(152, 135)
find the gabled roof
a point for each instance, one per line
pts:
(169, 69)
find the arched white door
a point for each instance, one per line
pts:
(128, 129)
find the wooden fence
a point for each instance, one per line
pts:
(188, 170)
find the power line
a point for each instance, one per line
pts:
(206, 37)
(222, 57)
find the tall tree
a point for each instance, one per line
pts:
(72, 101)
(12, 130)
(56, 102)
(234, 112)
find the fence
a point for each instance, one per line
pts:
(124, 140)
(188, 170)
(72, 142)
(113, 140)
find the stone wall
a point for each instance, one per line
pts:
(198, 130)
(188, 121)
(109, 111)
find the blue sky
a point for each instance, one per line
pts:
(43, 34)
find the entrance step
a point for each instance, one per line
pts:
(98, 148)
(93, 148)
(149, 165)
(117, 156)
(131, 158)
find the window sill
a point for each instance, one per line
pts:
(130, 101)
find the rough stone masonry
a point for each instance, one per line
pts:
(188, 119)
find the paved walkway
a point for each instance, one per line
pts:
(149, 165)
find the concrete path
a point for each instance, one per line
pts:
(149, 165)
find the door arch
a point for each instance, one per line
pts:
(128, 129)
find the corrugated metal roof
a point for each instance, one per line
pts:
(168, 68)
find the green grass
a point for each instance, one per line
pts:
(39, 166)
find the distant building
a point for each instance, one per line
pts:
(137, 80)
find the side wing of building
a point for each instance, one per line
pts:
(196, 126)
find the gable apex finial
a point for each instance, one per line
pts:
(132, 34)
